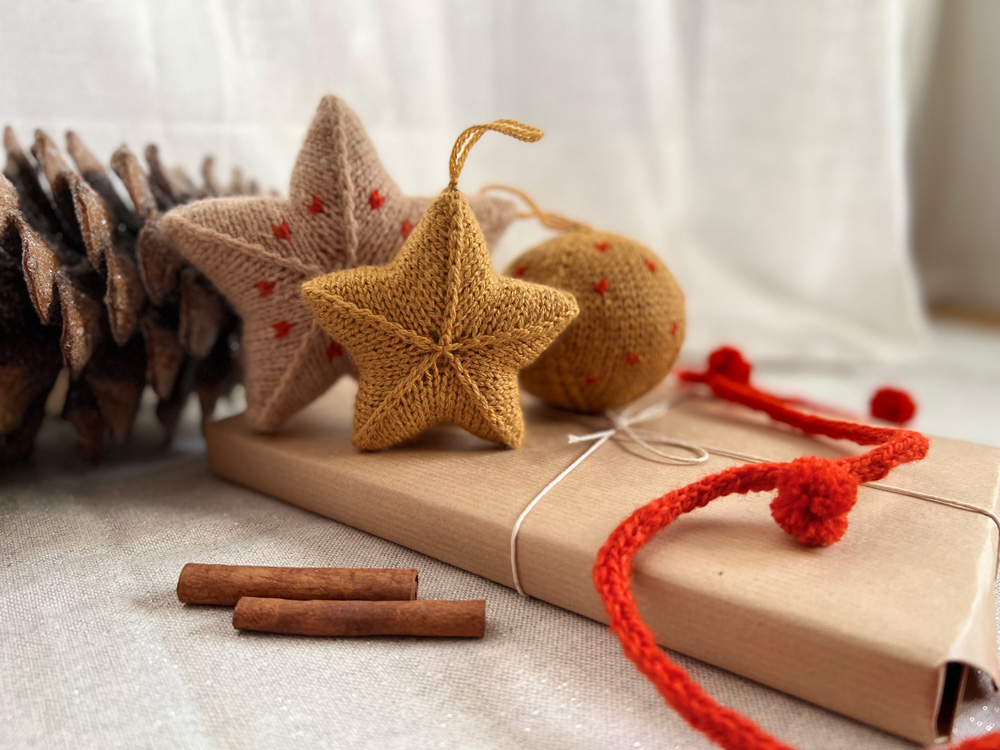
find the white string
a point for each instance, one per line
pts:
(622, 424)
(524, 513)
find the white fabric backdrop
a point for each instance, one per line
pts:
(757, 147)
(956, 157)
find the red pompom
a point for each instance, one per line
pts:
(893, 406)
(729, 363)
(814, 497)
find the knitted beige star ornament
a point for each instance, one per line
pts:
(343, 210)
(437, 335)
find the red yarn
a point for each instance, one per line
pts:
(281, 329)
(264, 287)
(813, 498)
(729, 363)
(282, 232)
(893, 405)
(986, 742)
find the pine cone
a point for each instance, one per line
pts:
(89, 284)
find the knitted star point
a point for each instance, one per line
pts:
(343, 210)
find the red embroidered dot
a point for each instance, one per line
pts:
(316, 207)
(601, 286)
(519, 271)
(333, 351)
(632, 358)
(282, 232)
(264, 287)
(673, 329)
(375, 200)
(601, 246)
(407, 228)
(281, 329)
(592, 380)
(651, 266)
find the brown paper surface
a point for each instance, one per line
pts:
(866, 628)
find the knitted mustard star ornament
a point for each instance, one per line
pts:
(343, 210)
(437, 334)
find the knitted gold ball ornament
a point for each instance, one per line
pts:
(629, 330)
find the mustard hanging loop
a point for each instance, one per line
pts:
(552, 221)
(468, 139)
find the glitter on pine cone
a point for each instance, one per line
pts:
(94, 289)
(630, 327)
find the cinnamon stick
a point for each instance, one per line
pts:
(462, 619)
(225, 584)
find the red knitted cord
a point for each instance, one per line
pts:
(888, 404)
(814, 496)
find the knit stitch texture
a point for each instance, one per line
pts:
(814, 497)
(629, 330)
(343, 210)
(437, 335)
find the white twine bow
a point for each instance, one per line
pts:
(621, 424)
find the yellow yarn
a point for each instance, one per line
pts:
(470, 136)
(629, 330)
(551, 220)
(436, 334)
(343, 210)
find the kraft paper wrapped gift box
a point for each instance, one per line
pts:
(882, 627)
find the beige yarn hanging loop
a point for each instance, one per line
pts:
(552, 221)
(468, 139)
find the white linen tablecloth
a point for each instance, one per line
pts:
(96, 651)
